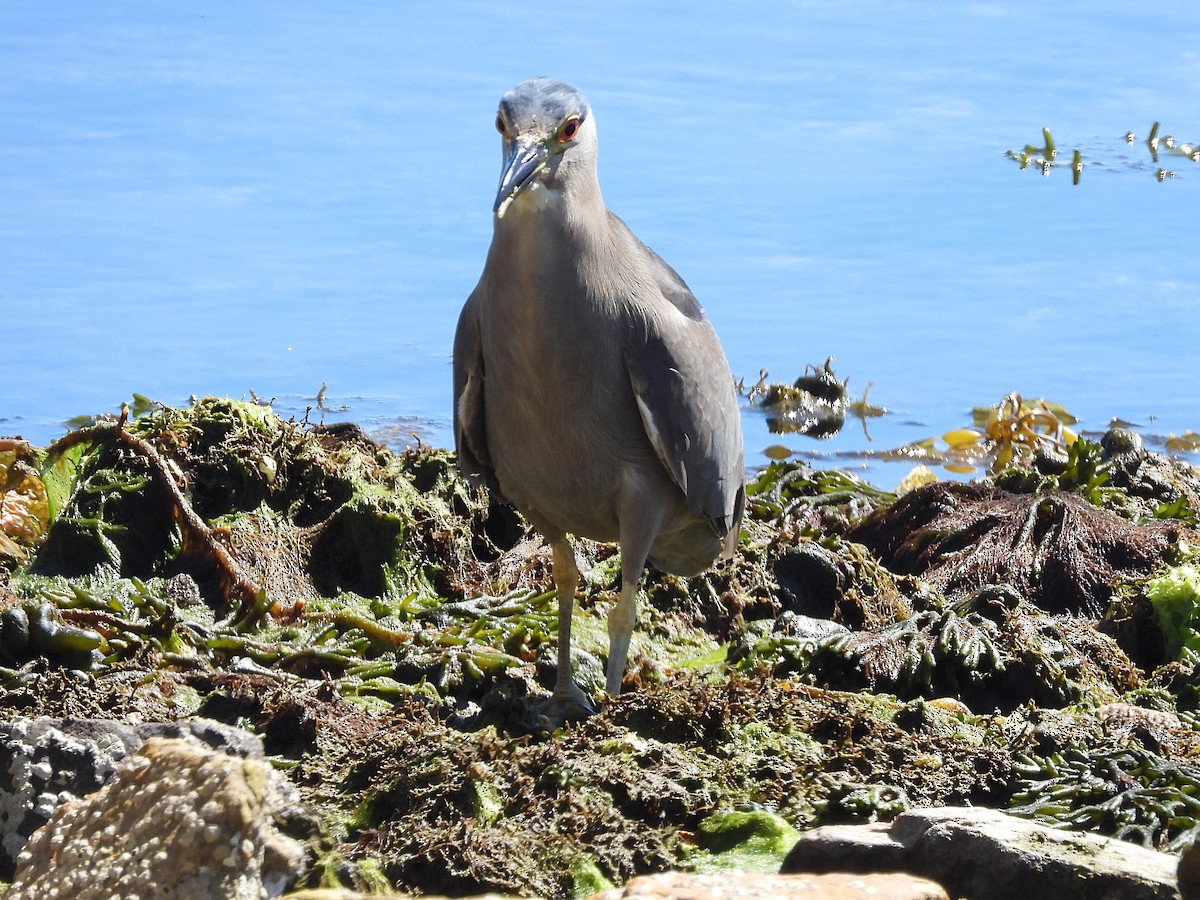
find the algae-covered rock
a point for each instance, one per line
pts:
(992, 650)
(170, 491)
(1059, 550)
(752, 840)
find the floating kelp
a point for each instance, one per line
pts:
(815, 404)
(1014, 432)
(1167, 144)
(1044, 158)
(1188, 442)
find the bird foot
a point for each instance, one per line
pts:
(569, 705)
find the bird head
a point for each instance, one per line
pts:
(549, 139)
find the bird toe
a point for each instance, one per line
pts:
(565, 706)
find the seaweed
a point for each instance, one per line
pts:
(1128, 792)
(1175, 597)
(388, 630)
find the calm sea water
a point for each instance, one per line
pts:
(206, 197)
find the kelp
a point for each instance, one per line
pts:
(1044, 157)
(1128, 792)
(992, 650)
(25, 505)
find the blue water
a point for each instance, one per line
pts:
(224, 198)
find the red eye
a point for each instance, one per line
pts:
(569, 130)
(500, 126)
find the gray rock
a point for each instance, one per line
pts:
(984, 854)
(47, 762)
(176, 820)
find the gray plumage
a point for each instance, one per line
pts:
(590, 390)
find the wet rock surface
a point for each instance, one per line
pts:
(386, 633)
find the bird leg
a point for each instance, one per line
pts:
(568, 701)
(620, 629)
(635, 547)
(639, 524)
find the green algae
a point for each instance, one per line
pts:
(1175, 596)
(587, 880)
(751, 840)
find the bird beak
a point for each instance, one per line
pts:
(523, 161)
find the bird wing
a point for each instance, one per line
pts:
(470, 431)
(688, 406)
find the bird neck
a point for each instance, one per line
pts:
(547, 221)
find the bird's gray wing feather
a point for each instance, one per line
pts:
(470, 431)
(686, 398)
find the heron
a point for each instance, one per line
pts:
(590, 389)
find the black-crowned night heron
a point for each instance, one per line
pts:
(590, 390)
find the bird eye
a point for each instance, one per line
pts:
(500, 126)
(569, 129)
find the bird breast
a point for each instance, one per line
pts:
(561, 418)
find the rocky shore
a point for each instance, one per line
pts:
(243, 657)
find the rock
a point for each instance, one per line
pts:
(723, 884)
(47, 762)
(343, 894)
(1189, 871)
(985, 854)
(750, 886)
(176, 820)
